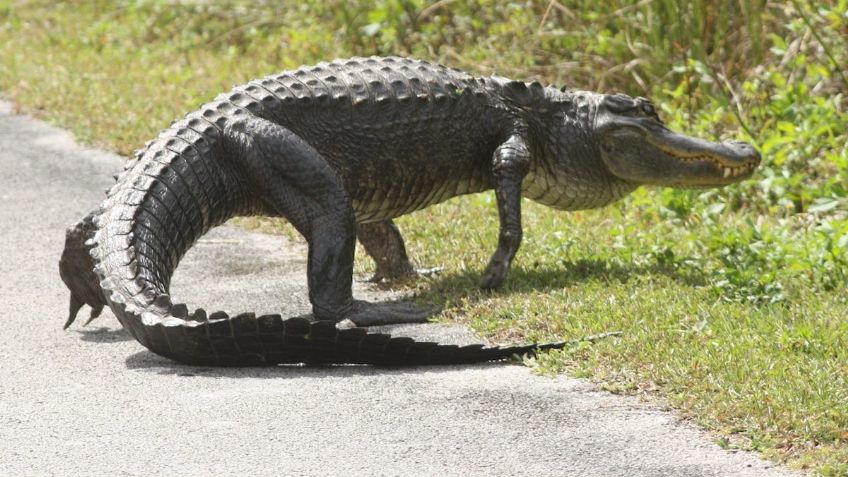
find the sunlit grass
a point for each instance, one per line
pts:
(769, 377)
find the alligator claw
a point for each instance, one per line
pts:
(494, 275)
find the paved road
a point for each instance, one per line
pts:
(91, 401)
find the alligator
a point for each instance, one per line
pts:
(340, 149)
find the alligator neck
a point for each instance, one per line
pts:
(567, 171)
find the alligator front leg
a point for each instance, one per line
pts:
(300, 185)
(510, 165)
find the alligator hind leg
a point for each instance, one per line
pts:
(294, 179)
(383, 242)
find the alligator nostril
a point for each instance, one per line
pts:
(744, 149)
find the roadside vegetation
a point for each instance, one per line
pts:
(732, 302)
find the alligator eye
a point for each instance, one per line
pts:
(648, 109)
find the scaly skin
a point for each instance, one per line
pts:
(360, 141)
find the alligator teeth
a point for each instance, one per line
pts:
(726, 172)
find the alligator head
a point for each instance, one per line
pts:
(638, 148)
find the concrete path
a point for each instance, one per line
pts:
(91, 401)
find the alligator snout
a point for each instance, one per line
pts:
(742, 151)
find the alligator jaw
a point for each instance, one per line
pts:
(707, 163)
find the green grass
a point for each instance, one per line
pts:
(732, 303)
(766, 370)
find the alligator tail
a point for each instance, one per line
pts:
(250, 340)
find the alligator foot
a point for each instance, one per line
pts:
(389, 313)
(494, 275)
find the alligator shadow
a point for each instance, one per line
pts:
(444, 289)
(103, 334)
(151, 363)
